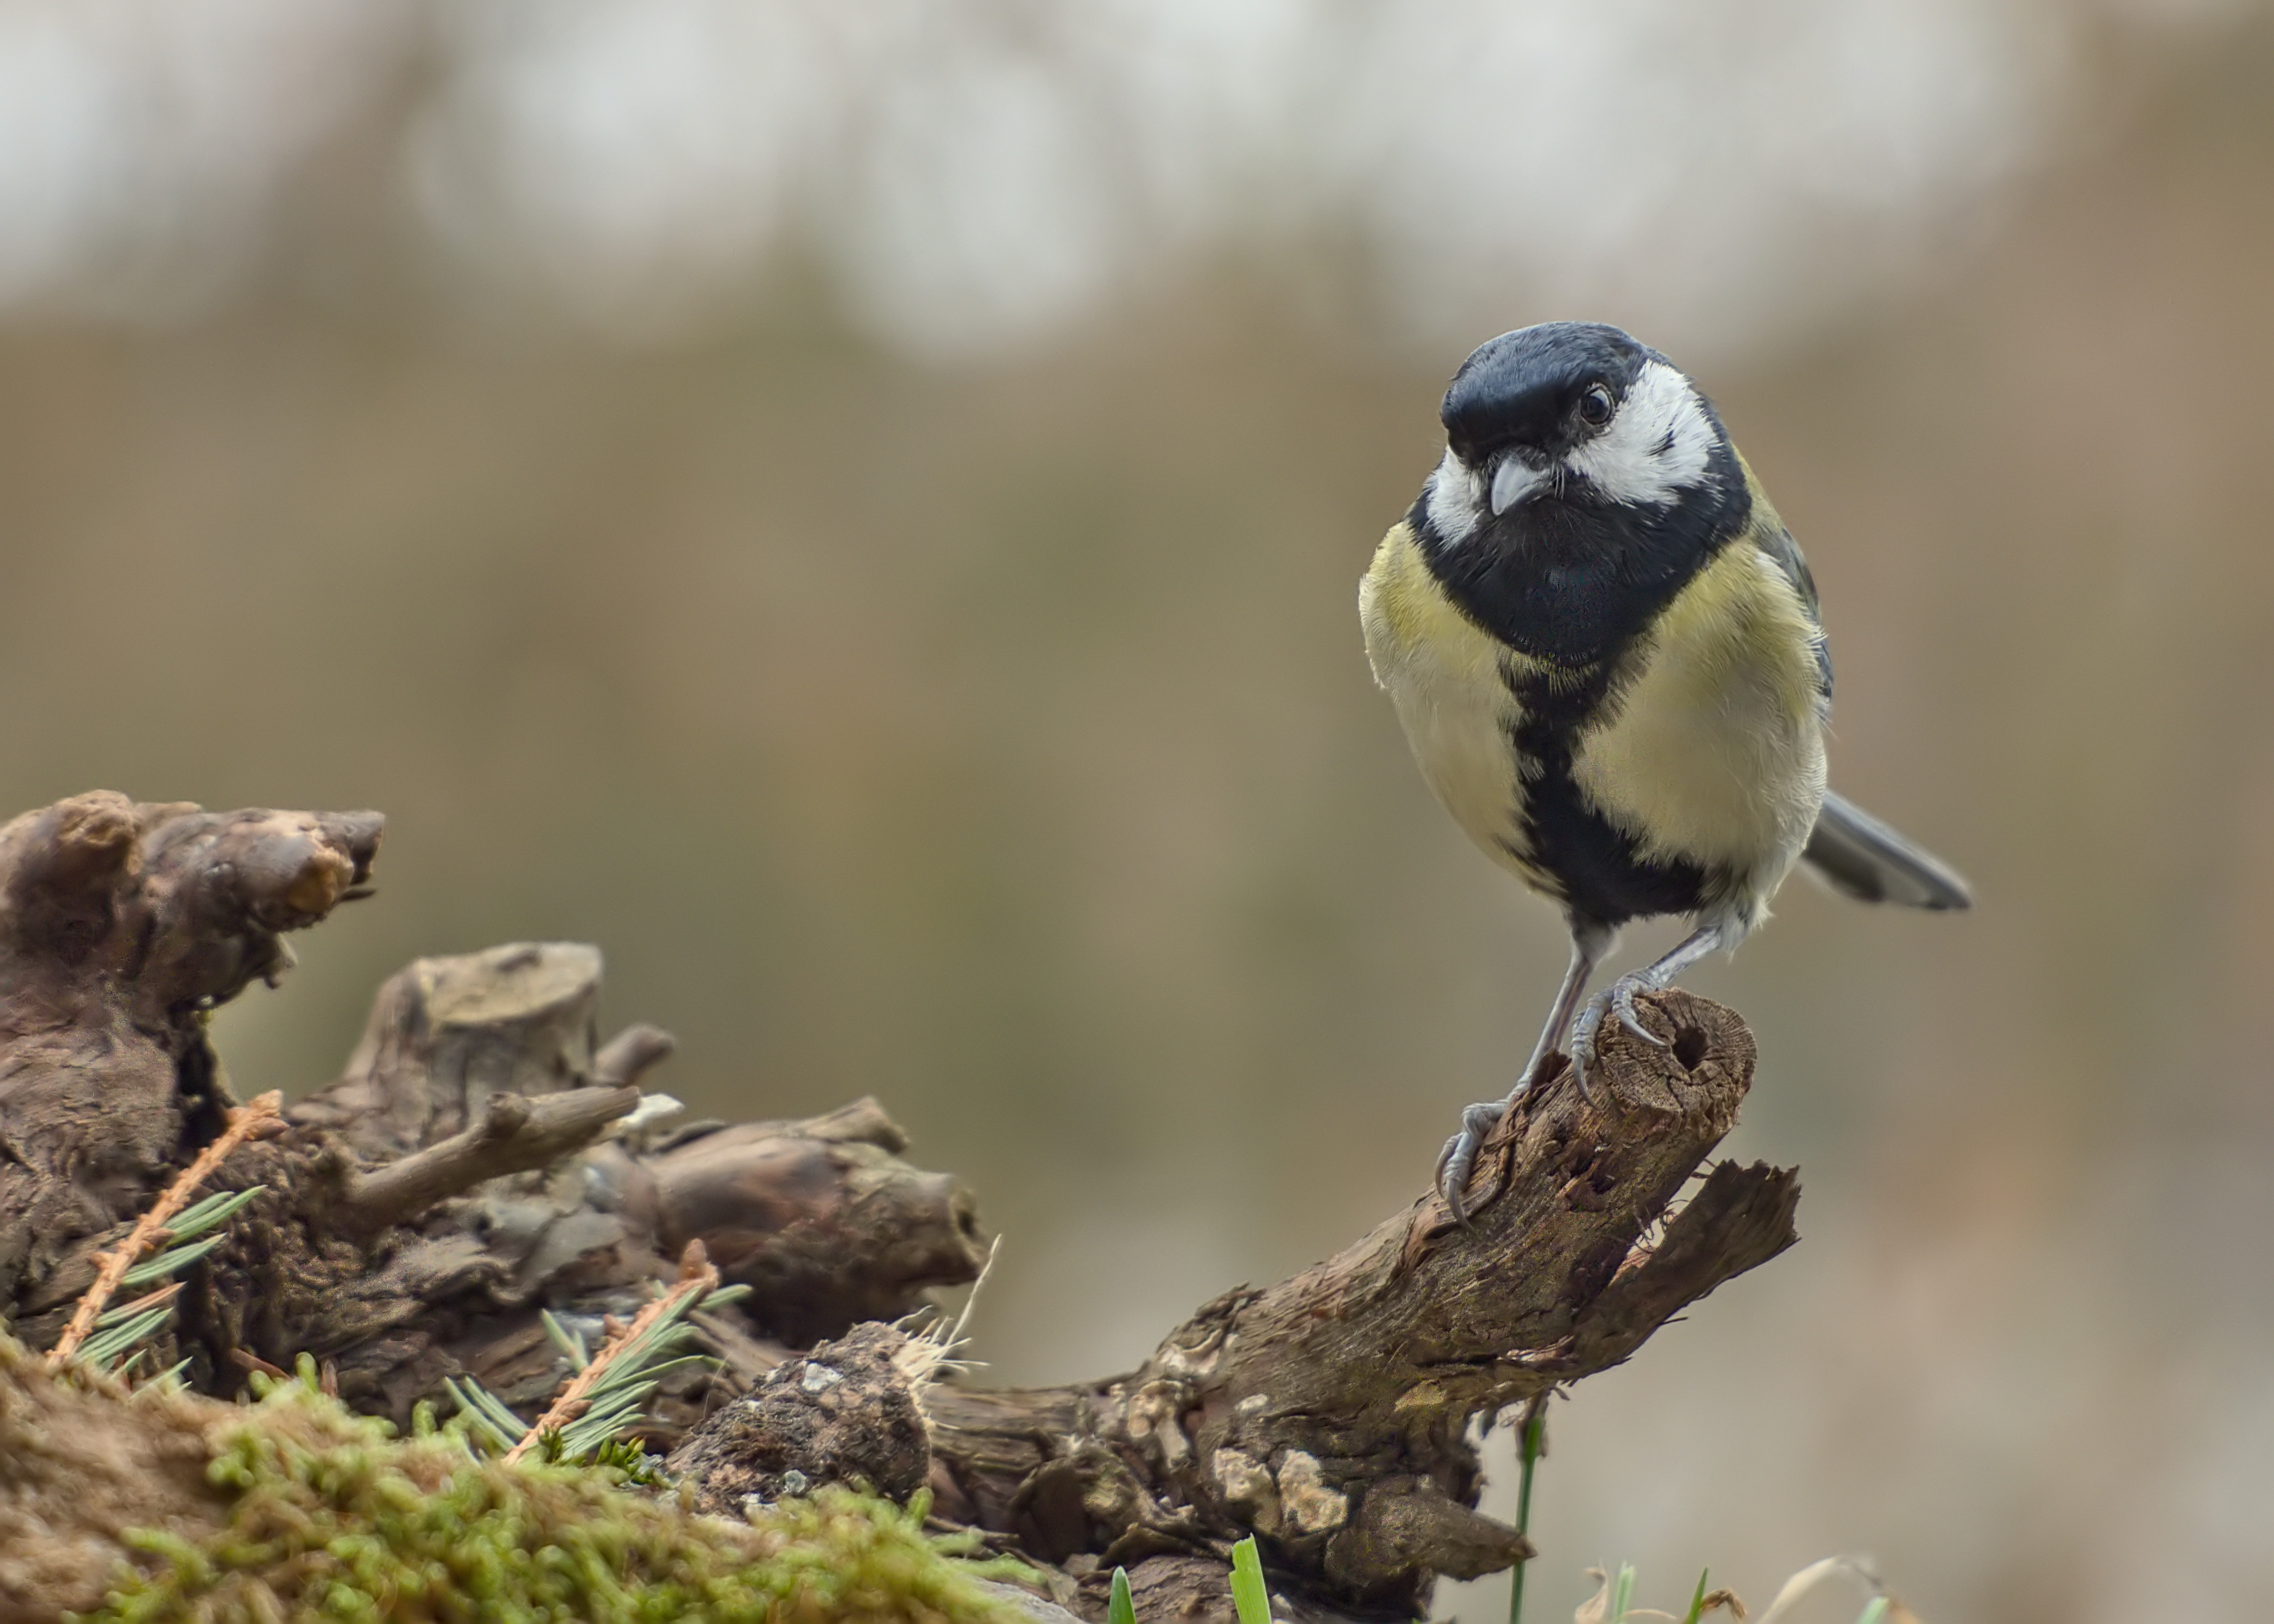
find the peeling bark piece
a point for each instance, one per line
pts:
(844, 1413)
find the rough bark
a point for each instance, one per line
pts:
(483, 1157)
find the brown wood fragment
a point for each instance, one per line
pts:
(121, 924)
(516, 1135)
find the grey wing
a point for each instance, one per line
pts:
(1861, 857)
(1784, 553)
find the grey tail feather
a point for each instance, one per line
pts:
(1860, 857)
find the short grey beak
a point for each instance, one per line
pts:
(1512, 481)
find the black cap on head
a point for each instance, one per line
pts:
(1524, 387)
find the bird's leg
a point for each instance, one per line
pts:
(1619, 997)
(1589, 942)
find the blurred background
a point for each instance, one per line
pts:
(856, 510)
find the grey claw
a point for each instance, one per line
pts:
(1583, 1044)
(1579, 1076)
(1453, 1165)
(1458, 1159)
(1641, 1031)
(1623, 999)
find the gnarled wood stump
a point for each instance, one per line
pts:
(480, 1159)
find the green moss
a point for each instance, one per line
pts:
(334, 1517)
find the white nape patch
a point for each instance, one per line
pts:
(1457, 500)
(1657, 444)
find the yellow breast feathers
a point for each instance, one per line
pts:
(1443, 675)
(1710, 747)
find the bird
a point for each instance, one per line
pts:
(1606, 652)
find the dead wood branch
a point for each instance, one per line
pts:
(1329, 1413)
(465, 1169)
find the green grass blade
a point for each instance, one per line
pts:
(120, 1315)
(667, 1331)
(479, 1400)
(1120, 1609)
(1621, 1594)
(1532, 1443)
(1697, 1602)
(595, 1427)
(685, 1361)
(1874, 1611)
(1250, 1598)
(500, 1414)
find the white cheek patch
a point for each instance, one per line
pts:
(1456, 502)
(1656, 447)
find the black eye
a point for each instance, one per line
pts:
(1596, 406)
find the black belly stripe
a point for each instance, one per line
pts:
(1573, 584)
(1599, 871)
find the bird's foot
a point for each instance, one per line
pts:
(1618, 998)
(1458, 1159)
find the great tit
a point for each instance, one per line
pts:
(1605, 651)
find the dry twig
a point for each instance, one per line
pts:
(517, 1133)
(250, 1120)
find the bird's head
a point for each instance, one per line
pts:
(1575, 414)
